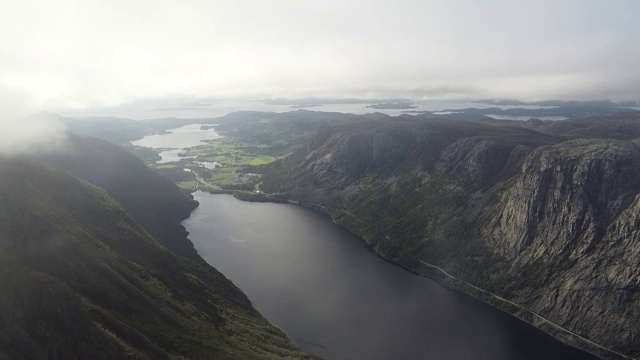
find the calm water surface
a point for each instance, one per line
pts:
(336, 299)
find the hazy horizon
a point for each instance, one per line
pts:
(79, 54)
(91, 56)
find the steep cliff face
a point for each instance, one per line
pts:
(565, 196)
(548, 221)
(568, 225)
(411, 187)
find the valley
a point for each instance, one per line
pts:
(451, 197)
(215, 157)
(249, 180)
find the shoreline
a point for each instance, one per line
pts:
(453, 283)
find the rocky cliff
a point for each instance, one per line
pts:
(568, 225)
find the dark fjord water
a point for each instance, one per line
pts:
(335, 298)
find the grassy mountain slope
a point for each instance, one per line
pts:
(153, 201)
(81, 279)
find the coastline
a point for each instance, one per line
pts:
(456, 284)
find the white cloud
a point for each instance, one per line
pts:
(95, 53)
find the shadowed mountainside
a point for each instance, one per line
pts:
(151, 200)
(81, 279)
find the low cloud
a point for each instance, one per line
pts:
(25, 130)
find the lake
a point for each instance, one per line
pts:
(177, 141)
(335, 298)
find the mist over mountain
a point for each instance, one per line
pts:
(23, 130)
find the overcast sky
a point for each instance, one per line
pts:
(103, 53)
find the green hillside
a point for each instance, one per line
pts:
(81, 279)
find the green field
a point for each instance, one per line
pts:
(222, 176)
(187, 185)
(229, 154)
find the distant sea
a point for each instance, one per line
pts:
(159, 109)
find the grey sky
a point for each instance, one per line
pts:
(80, 53)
